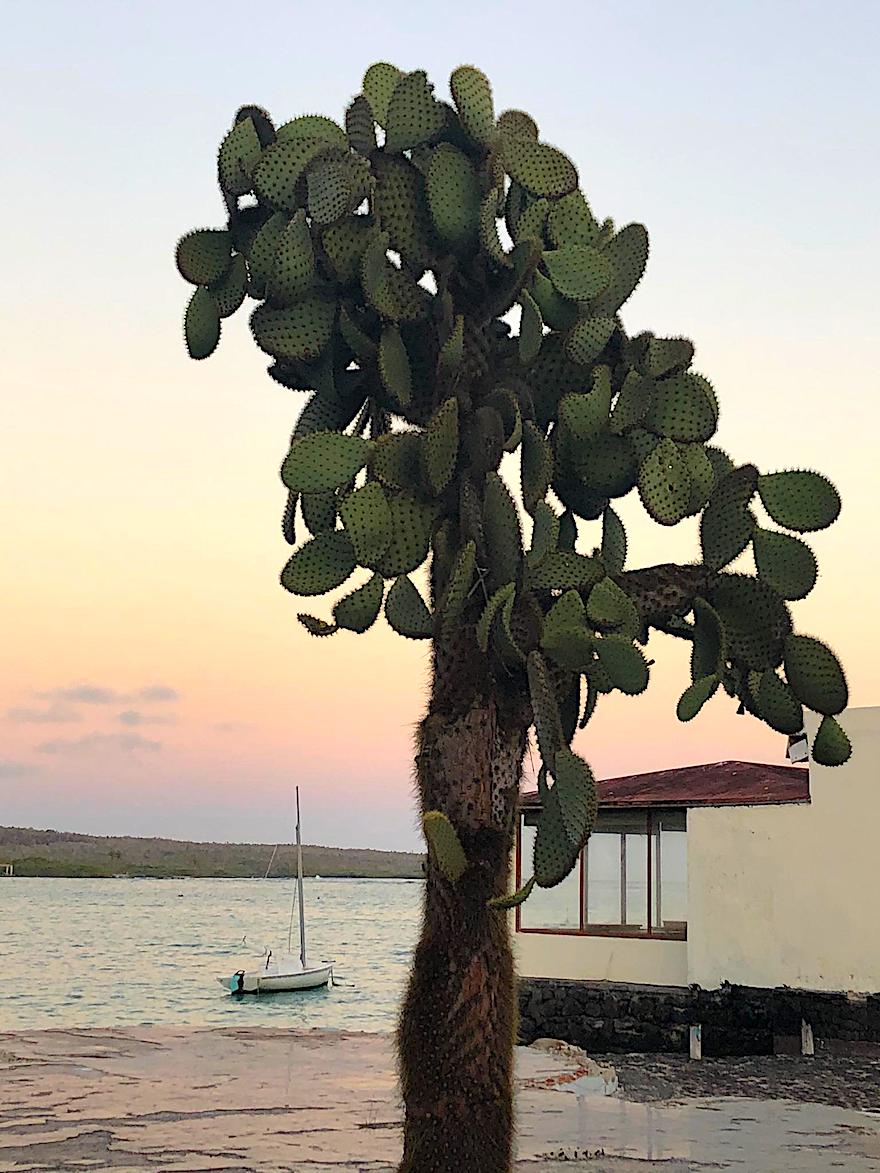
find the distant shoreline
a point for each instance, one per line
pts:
(49, 854)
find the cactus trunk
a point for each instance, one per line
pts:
(458, 1022)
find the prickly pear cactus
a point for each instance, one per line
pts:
(431, 277)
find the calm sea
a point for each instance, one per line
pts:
(105, 952)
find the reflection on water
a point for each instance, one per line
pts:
(104, 952)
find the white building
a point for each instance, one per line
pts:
(754, 875)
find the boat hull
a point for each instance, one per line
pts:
(269, 982)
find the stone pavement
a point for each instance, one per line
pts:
(260, 1100)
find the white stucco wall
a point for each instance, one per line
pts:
(787, 895)
(610, 959)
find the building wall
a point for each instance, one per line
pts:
(786, 895)
(610, 959)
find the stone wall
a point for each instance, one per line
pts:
(736, 1020)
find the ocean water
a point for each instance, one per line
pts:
(79, 953)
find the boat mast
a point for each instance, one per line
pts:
(299, 884)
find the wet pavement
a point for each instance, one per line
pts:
(268, 1100)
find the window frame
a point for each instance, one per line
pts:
(651, 933)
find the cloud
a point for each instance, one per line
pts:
(230, 726)
(97, 694)
(10, 769)
(136, 717)
(98, 742)
(56, 713)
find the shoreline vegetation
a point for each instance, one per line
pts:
(69, 855)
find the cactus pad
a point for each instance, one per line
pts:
(294, 261)
(323, 460)
(514, 899)
(570, 221)
(203, 256)
(695, 696)
(322, 564)
(778, 705)
(555, 854)
(624, 663)
(799, 500)
(229, 291)
(414, 114)
(531, 328)
(440, 447)
(501, 527)
(786, 563)
(239, 154)
(411, 524)
(359, 610)
(564, 570)
(366, 516)
(472, 95)
(406, 612)
(444, 845)
(613, 549)
(537, 167)
(380, 81)
(579, 272)
(588, 338)
(545, 708)
(815, 675)
(458, 588)
(576, 791)
(281, 166)
(301, 332)
(360, 127)
(397, 460)
(665, 484)
(683, 409)
(537, 466)
(202, 324)
(831, 746)
(628, 254)
(727, 524)
(454, 197)
(394, 366)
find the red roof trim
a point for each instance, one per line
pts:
(713, 784)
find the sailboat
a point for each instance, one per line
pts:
(287, 971)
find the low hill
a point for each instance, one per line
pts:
(64, 853)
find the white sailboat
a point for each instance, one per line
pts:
(287, 971)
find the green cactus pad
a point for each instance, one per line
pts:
(755, 620)
(366, 516)
(545, 531)
(319, 511)
(503, 536)
(567, 612)
(329, 189)
(786, 563)
(397, 460)
(576, 791)
(531, 329)
(608, 606)
(570, 221)
(201, 326)
(444, 845)
(801, 501)
(452, 351)
(454, 197)
(778, 705)
(584, 416)
(667, 354)
(359, 342)
(609, 468)
(633, 403)
(588, 338)
(683, 409)
(493, 605)
(440, 447)
(831, 746)
(555, 854)
(323, 460)
(578, 272)
(702, 475)
(380, 81)
(344, 243)
(727, 524)
(505, 402)
(322, 564)
(313, 126)
(401, 206)
(695, 696)
(411, 524)
(556, 312)
(613, 549)
(472, 95)
(624, 663)
(665, 484)
(536, 467)
(389, 290)
(359, 610)
(394, 366)
(301, 332)
(530, 222)
(628, 254)
(414, 114)
(281, 166)
(564, 570)
(230, 290)
(406, 612)
(239, 154)
(537, 167)
(294, 262)
(262, 251)
(709, 649)
(814, 673)
(316, 626)
(545, 708)
(457, 589)
(517, 122)
(323, 413)
(204, 256)
(360, 127)
(514, 899)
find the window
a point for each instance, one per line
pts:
(631, 879)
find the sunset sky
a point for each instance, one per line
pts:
(154, 679)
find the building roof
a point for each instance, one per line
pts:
(714, 784)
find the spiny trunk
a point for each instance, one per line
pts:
(458, 1023)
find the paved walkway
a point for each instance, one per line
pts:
(263, 1100)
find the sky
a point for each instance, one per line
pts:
(153, 677)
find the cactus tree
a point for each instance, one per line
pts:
(431, 277)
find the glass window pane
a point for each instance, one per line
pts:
(670, 871)
(548, 908)
(603, 879)
(636, 847)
